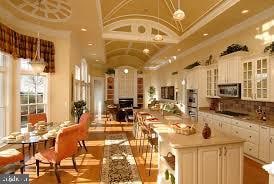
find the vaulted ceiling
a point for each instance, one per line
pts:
(119, 30)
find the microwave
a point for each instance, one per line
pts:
(229, 90)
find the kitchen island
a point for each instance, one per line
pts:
(218, 160)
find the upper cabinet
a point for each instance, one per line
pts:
(256, 75)
(212, 80)
(229, 68)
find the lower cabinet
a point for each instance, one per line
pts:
(264, 151)
(271, 141)
(220, 164)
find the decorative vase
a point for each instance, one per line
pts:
(206, 131)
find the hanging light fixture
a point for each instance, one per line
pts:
(146, 50)
(179, 14)
(38, 64)
(158, 37)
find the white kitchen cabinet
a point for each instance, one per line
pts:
(220, 164)
(232, 173)
(210, 158)
(229, 68)
(264, 148)
(212, 80)
(271, 143)
(256, 73)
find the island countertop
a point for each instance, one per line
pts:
(179, 141)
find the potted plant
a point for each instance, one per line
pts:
(234, 48)
(151, 92)
(269, 49)
(78, 109)
(110, 71)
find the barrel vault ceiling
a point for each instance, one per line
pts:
(117, 31)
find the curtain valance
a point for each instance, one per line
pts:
(22, 46)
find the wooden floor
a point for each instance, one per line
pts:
(89, 164)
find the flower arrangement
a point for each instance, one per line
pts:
(234, 48)
(269, 48)
(78, 109)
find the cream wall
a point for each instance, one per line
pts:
(163, 76)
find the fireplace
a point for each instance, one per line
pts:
(125, 102)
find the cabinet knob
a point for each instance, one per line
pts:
(250, 149)
(250, 136)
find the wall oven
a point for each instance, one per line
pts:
(229, 90)
(192, 104)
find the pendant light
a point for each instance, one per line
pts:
(38, 64)
(179, 14)
(158, 37)
(146, 50)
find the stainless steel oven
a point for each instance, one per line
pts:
(229, 90)
(192, 98)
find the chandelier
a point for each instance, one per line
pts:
(38, 64)
(158, 37)
(179, 14)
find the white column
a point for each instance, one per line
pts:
(116, 86)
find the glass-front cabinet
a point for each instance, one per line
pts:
(256, 78)
(212, 80)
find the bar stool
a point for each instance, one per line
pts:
(153, 141)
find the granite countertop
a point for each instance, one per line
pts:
(249, 119)
(179, 141)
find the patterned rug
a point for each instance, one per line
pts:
(119, 165)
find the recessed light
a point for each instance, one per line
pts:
(90, 44)
(126, 71)
(205, 34)
(178, 50)
(83, 29)
(93, 54)
(97, 60)
(245, 11)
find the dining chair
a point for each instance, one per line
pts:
(9, 157)
(65, 146)
(83, 129)
(35, 118)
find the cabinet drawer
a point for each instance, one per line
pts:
(247, 125)
(272, 131)
(251, 149)
(238, 132)
(252, 136)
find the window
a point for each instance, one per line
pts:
(77, 82)
(2, 96)
(33, 93)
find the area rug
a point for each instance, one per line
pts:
(119, 165)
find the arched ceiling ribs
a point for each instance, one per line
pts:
(117, 8)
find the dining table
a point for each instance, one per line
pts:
(34, 136)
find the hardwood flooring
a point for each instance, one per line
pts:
(89, 164)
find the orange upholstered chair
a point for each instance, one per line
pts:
(65, 146)
(11, 156)
(34, 118)
(83, 128)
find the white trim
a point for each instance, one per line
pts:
(268, 13)
(8, 17)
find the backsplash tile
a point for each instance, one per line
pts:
(249, 107)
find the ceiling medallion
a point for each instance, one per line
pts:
(50, 10)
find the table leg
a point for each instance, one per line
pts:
(33, 149)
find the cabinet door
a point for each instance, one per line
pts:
(209, 82)
(226, 128)
(232, 164)
(264, 144)
(222, 72)
(247, 88)
(233, 71)
(210, 165)
(261, 79)
(215, 81)
(271, 140)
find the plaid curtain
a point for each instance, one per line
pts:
(22, 46)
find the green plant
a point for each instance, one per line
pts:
(172, 178)
(151, 92)
(269, 48)
(110, 71)
(234, 48)
(193, 65)
(78, 109)
(167, 175)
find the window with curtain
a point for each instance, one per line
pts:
(2, 96)
(33, 92)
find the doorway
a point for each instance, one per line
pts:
(98, 97)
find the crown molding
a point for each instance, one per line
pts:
(266, 14)
(24, 25)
